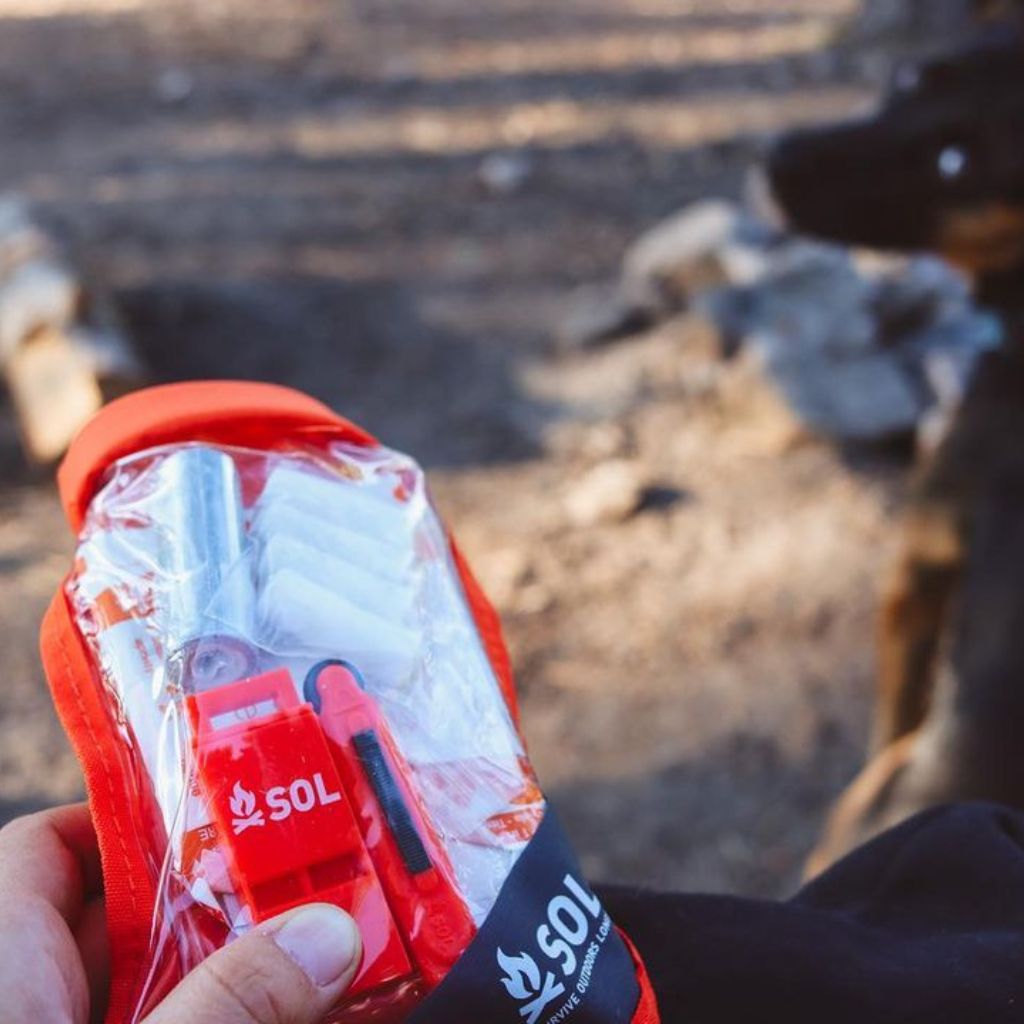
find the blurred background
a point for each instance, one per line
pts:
(395, 204)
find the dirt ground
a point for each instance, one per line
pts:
(389, 203)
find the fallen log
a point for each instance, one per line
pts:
(62, 350)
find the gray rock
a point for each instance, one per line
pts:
(702, 247)
(861, 347)
(864, 398)
(173, 86)
(706, 245)
(611, 492)
(599, 314)
(505, 173)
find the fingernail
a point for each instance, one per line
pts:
(321, 939)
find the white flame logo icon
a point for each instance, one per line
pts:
(520, 972)
(523, 983)
(243, 808)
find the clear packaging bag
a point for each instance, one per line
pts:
(288, 650)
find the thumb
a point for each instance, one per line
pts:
(290, 970)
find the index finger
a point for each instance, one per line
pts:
(54, 856)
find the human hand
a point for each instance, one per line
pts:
(55, 965)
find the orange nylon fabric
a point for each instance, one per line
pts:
(224, 412)
(128, 879)
(228, 412)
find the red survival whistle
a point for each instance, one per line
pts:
(287, 828)
(320, 809)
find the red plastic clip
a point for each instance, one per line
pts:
(286, 822)
(409, 858)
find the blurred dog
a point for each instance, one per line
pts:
(940, 167)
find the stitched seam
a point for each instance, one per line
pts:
(69, 675)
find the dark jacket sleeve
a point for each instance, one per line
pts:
(924, 924)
